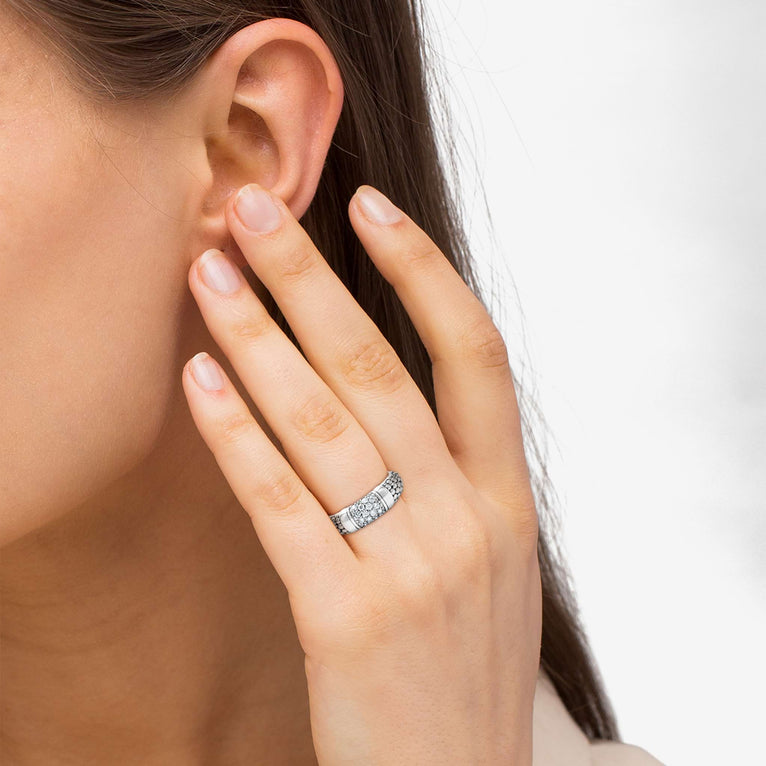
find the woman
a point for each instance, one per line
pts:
(146, 618)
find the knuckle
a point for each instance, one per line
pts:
(482, 343)
(281, 493)
(373, 364)
(235, 428)
(527, 525)
(298, 263)
(251, 329)
(519, 512)
(420, 253)
(419, 586)
(321, 420)
(473, 551)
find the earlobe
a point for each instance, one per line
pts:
(272, 95)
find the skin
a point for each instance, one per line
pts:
(170, 578)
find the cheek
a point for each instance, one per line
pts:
(92, 286)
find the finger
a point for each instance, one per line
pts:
(308, 553)
(344, 346)
(323, 441)
(476, 402)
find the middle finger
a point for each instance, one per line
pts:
(343, 344)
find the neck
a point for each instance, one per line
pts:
(149, 627)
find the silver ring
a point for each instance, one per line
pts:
(370, 507)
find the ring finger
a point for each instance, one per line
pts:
(327, 446)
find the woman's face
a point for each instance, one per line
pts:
(100, 223)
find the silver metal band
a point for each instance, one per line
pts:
(370, 507)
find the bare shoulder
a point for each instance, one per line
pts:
(558, 741)
(621, 754)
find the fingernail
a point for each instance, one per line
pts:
(256, 209)
(377, 207)
(206, 372)
(218, 273)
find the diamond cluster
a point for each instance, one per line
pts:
(371, 506)
(363, 511)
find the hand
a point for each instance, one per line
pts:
(422, 629)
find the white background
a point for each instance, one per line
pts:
(621, 146)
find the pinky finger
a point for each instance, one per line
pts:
(296, 533)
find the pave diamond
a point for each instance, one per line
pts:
(374, 504)
(367, 509)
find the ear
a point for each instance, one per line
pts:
(269, 99)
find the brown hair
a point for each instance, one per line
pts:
(128, 51)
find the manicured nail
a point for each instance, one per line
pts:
(206, 372)
(377, 207)
(256, 209)
(218, 273)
